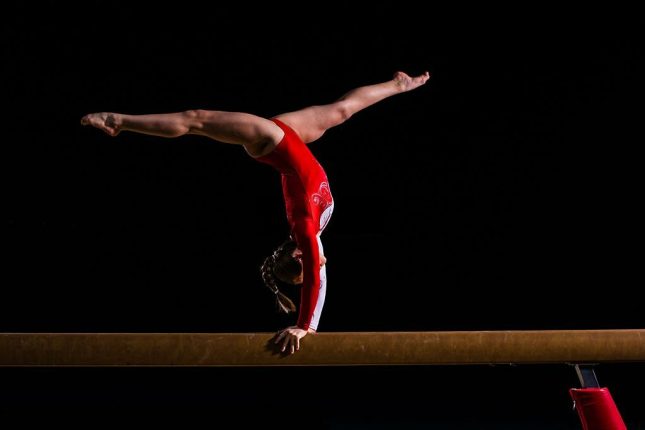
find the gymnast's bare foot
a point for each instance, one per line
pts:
(408, 83)
(106, 121)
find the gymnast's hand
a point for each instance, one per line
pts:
(290, 337)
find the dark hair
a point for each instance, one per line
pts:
(281, 265)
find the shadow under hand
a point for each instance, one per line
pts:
(275, 348)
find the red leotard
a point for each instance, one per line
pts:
(309, 204)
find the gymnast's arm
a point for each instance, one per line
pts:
(311, 287)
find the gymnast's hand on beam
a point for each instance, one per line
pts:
(290, 337)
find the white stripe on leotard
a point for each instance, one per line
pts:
(321, 294)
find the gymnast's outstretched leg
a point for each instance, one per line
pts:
(253, 132)
(311, 123)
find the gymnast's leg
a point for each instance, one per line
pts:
(310, 123)
(239, 128)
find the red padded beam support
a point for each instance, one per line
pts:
(597, 409)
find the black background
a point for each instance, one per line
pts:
(502, 195)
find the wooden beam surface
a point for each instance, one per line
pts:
(323, 349)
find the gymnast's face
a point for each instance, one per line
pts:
(297, 255)
(297, 280)
(289, 268)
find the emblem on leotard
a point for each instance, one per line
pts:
(322, 198)
(325, 203)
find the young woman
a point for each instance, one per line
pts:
(280, 142)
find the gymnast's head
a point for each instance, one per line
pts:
(285, 265)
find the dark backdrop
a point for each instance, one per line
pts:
(501, 195)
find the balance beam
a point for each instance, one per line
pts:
(322, 349)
